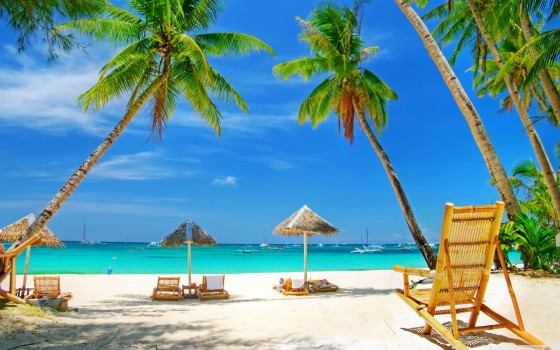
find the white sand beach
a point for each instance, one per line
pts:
(115, 312)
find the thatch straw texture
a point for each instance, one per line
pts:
(305, 221)
(179, 236)
(14, 231)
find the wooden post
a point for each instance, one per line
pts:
(13, 276)
(305, 258)
(189, 242)
(25, 270)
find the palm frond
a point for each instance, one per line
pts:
(306, 67)
(222, 44)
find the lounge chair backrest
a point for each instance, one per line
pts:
(168, 284)
(468, 244)
(46, 286)
(215, 282)
(297, 283)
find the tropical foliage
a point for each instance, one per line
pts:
(349, 89)
(532, 232)
(479, 21)
(535, 241)
(40, 17)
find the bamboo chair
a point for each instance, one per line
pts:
(212, 287)
(294, 287)
(468, 243)
(321, 286)
(167, 289)
(47, 286)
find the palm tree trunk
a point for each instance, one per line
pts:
(467, 108)
(544, 162)
(546, 80)
(427, 251)
(76, 178)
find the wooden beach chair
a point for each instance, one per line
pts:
(212, 287)
(47, 286)
(468, 243)
(294, 287)
(167, 289)
(321, 286)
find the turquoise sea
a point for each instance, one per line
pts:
(140, 258)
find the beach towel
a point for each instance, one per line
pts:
(214, 282)
(297, 283)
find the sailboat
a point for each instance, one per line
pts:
(374, 248)
(85, 241)
(265, 244)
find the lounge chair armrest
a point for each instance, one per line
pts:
(414, 271)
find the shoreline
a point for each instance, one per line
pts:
(115, 311)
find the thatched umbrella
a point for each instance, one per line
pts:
(305, 222)
(14, 231)
(188, 232)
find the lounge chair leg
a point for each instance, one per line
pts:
(427, 329)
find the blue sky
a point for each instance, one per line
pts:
(265, 165)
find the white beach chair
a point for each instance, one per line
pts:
(212, 287)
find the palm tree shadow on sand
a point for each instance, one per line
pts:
(471, 340)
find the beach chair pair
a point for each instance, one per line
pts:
(468, 243)
(212, 287)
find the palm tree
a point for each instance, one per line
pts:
(526, 178)
(30, 17)
(503, 14)
(461, 24)
(164, 60)
(522, 110)
(349, 90)
(467, 108)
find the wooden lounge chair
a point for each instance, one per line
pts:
(321, 286)
(294, 287)
(47, 286)
(468, 243)
(212, 287)
(167, 289)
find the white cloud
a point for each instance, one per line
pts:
(240, 124)
(42, 96)
(138, 166)
(226, 181)
(273, 163)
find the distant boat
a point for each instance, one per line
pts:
(154, 244)
(366, 250)
(265, 244)
(85, 241)
(248, 249)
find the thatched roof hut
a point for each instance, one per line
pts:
(305, 221)
(179, 236)
(14, 231)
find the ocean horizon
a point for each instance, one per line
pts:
(142, 258)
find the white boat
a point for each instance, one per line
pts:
(367, 248)
(154, 244)
(247, 249)
(85, 241)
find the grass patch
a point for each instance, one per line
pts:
(18, 318)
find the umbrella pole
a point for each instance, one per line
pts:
(305, 258)
(189, 260)
(25, 270)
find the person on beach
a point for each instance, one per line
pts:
(110, 270)
(280, 284)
